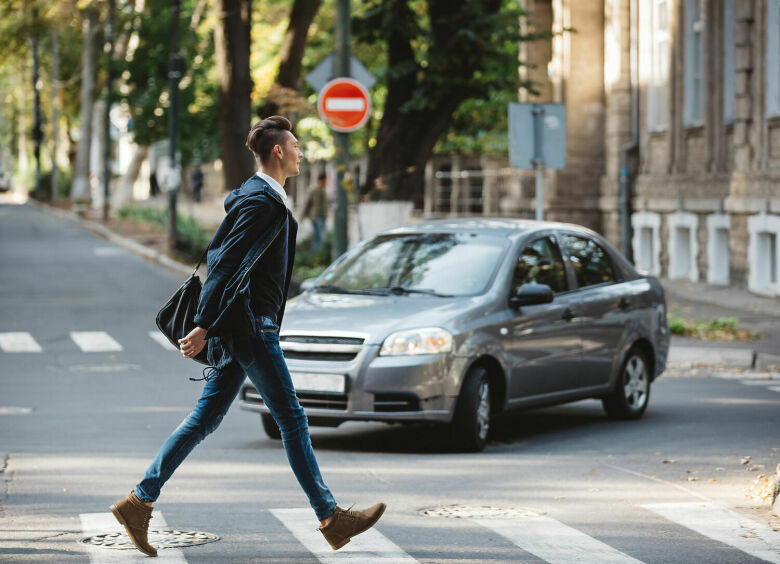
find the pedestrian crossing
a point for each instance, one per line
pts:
(85, 341)
(542, 536)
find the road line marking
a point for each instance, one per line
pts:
(371, 547)
(100, 523)
(18, 341)
(774, 388)
(720, 524)
(758, 382)
(163, 340)
(551, 540)
(95, 341)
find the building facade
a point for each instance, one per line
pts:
(673, 135)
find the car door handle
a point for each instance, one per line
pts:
(624, 303)
(568, 314)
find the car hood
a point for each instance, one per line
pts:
(374, 316)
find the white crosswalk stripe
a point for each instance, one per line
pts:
(100, 523)
(18, 342)
(370, 547)
(555, 542)
(95, 341)
(774, 388)
(162, 340)
(723, 525)
(759, 382)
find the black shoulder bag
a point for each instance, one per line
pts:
(177, 317)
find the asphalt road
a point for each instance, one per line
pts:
(78, 428)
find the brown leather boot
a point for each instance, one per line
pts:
(134, 514)
(346, 524)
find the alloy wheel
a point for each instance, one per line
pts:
(483, 410)
(635, 382)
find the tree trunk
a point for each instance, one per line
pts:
(231, 43)
(123, 194)
(406, 138)
(99, 140)
(396, 166)
(80, 187)
(291, 54)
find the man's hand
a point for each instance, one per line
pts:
(193, 343)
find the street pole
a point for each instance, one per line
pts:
(55, 131)
(538, 160)
(107, 116)
(341, 68)
(173, 123)
(37, 129)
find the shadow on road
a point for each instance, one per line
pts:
(555, 426)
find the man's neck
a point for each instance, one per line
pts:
(275, 173)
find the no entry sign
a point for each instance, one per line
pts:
(344, 104)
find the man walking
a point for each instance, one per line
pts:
(238, 318)
(316, 209)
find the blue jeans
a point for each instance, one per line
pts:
(318, 234)
(260, 358)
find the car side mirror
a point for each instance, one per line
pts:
(531, 294)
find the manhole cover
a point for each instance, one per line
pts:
(478, 512)
(158, 539)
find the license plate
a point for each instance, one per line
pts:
(317, 382)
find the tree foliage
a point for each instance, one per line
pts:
(441, 55)
(146, 86)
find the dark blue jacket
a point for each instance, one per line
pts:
(256, 216)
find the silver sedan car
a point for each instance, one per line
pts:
(456, 321)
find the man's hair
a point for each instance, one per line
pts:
(267, 133)
(322, 176)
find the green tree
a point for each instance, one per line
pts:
(440, 54)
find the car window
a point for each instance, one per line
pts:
(541, 263)
(592, 264)
(448, 263)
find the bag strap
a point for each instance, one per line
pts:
(201, 259)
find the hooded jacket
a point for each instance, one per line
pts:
(255, 217)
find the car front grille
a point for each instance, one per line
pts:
(307, 399)
(333, 348)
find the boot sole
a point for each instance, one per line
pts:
(130, 534)
(363, 530)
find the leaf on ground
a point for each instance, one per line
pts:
(761, 488)
(669, 461)
(746, 460)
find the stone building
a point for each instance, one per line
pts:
(683, 98)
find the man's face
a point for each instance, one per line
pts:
(291, 156)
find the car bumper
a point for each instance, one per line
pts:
(377, 388)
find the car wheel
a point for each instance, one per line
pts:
(471, 423)
(270, 427)
(632, 392)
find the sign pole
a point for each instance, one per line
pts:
(538, 160)
(341, 68)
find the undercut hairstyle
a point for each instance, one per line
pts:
(267, 133)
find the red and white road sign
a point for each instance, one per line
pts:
(344, 104)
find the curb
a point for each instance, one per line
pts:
(106, 233)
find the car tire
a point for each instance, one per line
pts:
(631, 395)
(270, 427)
(471, 422)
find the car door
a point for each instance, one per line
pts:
(603, 307)
(543, 343)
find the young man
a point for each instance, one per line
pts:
(238, 318)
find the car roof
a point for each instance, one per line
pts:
(498, 226)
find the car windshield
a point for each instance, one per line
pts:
(451, 264)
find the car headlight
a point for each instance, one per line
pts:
(431, 340)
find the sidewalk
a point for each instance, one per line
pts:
(756, 313)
